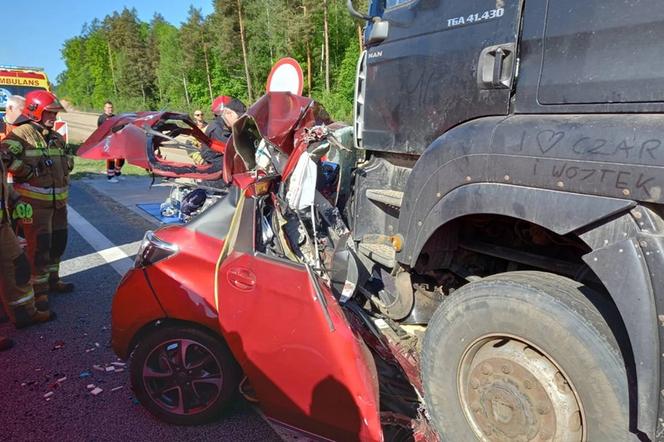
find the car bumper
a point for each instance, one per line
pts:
(134, 306)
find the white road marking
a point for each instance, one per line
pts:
(96, 259)
(109, 252)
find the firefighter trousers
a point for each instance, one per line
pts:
(18, 296)
(46, 234)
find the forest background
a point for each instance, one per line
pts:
(157, 65)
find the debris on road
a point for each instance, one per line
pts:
(96, 391)
(113, 367)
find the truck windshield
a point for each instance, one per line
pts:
(394, 3)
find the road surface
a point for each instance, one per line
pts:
(78, 339)
(81, 125)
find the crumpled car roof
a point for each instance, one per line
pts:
(279, 117)
(125, 136)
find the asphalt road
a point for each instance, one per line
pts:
(77, 340)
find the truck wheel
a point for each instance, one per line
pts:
(183, 375)
(524, 356)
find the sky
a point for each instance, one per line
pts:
(33, 31)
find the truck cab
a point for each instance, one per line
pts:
(509, 201)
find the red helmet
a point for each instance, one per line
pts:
(224, 101)
(36, 102)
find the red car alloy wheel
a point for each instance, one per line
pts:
(182, 376)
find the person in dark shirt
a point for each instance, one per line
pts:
(226, 111)
(113, 167)
(108, 113)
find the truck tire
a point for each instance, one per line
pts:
(524, 356)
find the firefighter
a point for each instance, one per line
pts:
(226, 111)
(17, 293)
(36, 156)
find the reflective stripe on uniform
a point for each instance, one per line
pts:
(42, 193)
(41, 152)
(43, 190)
(24, 300)
(41, 279)
(43, 197)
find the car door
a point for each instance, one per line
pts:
(307, 366)
(443, 63)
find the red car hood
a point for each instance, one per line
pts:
(282, 119)
(128, 136)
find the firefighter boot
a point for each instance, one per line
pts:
(5, 343)
(23, 319)
(58, 246)
(4, 317)
(41, 302)
(57, 285)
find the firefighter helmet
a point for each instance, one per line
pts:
(225, 102)
(40, 101)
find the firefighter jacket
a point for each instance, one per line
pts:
(38, 160)
(8, 197)
(4, 196)
(5, 128)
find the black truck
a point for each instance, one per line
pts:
(511, 203)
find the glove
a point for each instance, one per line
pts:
(198, 159)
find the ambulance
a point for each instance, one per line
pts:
(19, 80)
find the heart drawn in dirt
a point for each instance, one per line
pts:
(548, 139)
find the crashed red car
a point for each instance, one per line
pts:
(140, 137)
(261, 286)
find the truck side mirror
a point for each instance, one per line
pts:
(380, 29)
(356, 14)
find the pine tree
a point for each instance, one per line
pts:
(142, 65)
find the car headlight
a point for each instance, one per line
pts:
(153, 250)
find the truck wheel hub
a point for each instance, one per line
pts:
(512, 392)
